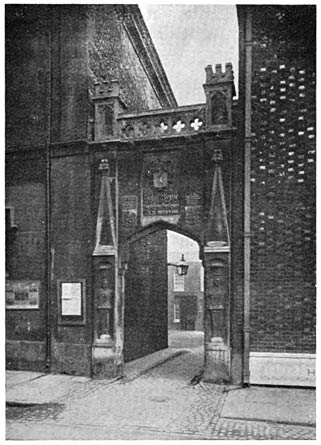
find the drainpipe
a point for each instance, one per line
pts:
(49, 252)
(247, 197)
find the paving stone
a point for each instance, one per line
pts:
(159, 404)
(18, 377)
(289, 405)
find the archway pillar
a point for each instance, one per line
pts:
(106, 354)
(217, 271)
(216, 314)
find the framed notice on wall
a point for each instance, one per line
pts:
(22, 294)
(72, 302)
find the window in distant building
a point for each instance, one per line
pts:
(10, 218)
(202, 279)
(176, 312)
(179, 283)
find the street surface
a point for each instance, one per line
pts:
(158, 405)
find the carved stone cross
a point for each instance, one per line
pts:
(196, 124)
(163, 127)
(179, 126)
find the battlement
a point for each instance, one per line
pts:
(219, 76)
(112, 121)
(106, 89)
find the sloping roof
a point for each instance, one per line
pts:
(139, 35)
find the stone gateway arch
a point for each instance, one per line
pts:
(161, 169)
(100, 162)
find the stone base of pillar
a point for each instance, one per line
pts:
(103, 361)
(217, 362)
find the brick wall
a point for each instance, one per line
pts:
(27, 74)
(46, 73)
(112, 56)
(283, 180)
(26, 257)
(54, 54)
(69, 73)
(72, 232)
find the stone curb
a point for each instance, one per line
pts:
(134, 375)
(269, 421)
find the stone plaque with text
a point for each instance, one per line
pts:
(193, 209)
(129, 210)
(160, 189)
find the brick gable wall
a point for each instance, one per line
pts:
(283, 180)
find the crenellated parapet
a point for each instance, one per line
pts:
(219, 91)
(219, 75)
(161, 123)
(108, 104)
(113, 122)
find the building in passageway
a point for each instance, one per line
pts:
(186, 301)
(101, 162)
(185, 292)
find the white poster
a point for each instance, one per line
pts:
(70, 298)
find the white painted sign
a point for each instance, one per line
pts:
(288, 369)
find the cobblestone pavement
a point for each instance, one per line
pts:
(158, 405)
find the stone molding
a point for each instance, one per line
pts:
(139, 35)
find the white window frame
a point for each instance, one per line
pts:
(177, 312)
(179, 282)
(202, 278)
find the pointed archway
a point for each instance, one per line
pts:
(145, 291)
